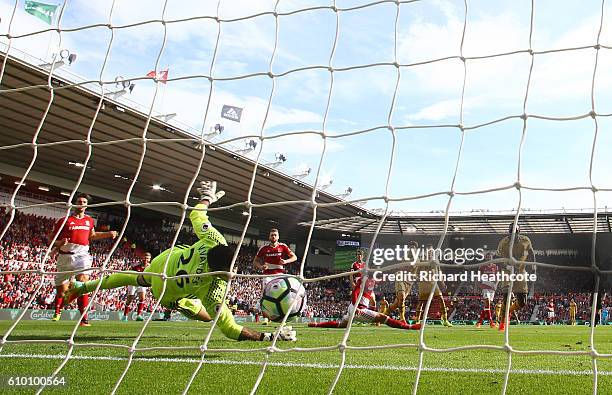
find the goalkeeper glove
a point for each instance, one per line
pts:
(286, 333)
(208, 191)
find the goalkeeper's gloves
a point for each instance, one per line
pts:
(286, 333)
(208, 191)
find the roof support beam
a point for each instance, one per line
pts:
(568, 224)
(372, 221)
(489, 225)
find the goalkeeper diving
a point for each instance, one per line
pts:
(198, 298)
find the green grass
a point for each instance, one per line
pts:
(377, 372)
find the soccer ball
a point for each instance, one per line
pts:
(278, 297)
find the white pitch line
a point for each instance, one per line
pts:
(315, 365)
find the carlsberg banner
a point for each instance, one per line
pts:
(95, 315)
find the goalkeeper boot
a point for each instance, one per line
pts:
(56, 316)
(287, 334)
(139, 318)
(75, 290)
(447, 323)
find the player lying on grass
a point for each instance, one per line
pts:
(362, 311)
(197, 298)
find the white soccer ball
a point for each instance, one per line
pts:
(279, 295)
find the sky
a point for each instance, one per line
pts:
(554, 154)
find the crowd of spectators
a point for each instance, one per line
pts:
(27, 239)
(24, 246)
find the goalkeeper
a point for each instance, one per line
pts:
(197, 298)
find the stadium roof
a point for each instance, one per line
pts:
(172, 155)
(433, 224)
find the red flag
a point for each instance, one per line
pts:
(162, 75)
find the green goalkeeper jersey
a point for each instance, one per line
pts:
(189, 294)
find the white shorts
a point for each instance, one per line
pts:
(488, 294)
(133, 289)
(265, 281)
(361, 315)
(551, 314)
(66, 262)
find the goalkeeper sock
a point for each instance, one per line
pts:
(327, 324)
(82, 302)
(403, 312)
(115, 280)
(140, 307)
(59, 302)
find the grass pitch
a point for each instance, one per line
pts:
(94, 370)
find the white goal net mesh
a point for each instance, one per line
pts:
(212, 76)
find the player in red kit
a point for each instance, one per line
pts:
(488, 292)
(361, 306)
(357, 265)
(132, 290)
(550, 313)
(273, 257)
(72, 245)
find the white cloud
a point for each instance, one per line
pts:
(438, 111)
(497, 83)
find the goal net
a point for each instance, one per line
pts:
(377, 115)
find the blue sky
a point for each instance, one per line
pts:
(555, 154)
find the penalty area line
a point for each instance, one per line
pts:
(313, 365)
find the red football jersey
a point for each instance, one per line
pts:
(357, 266)
(137, 266)
(489, 269)
(272, 257)
(77, 231)
(368, 292)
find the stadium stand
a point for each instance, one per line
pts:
(25, 243)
